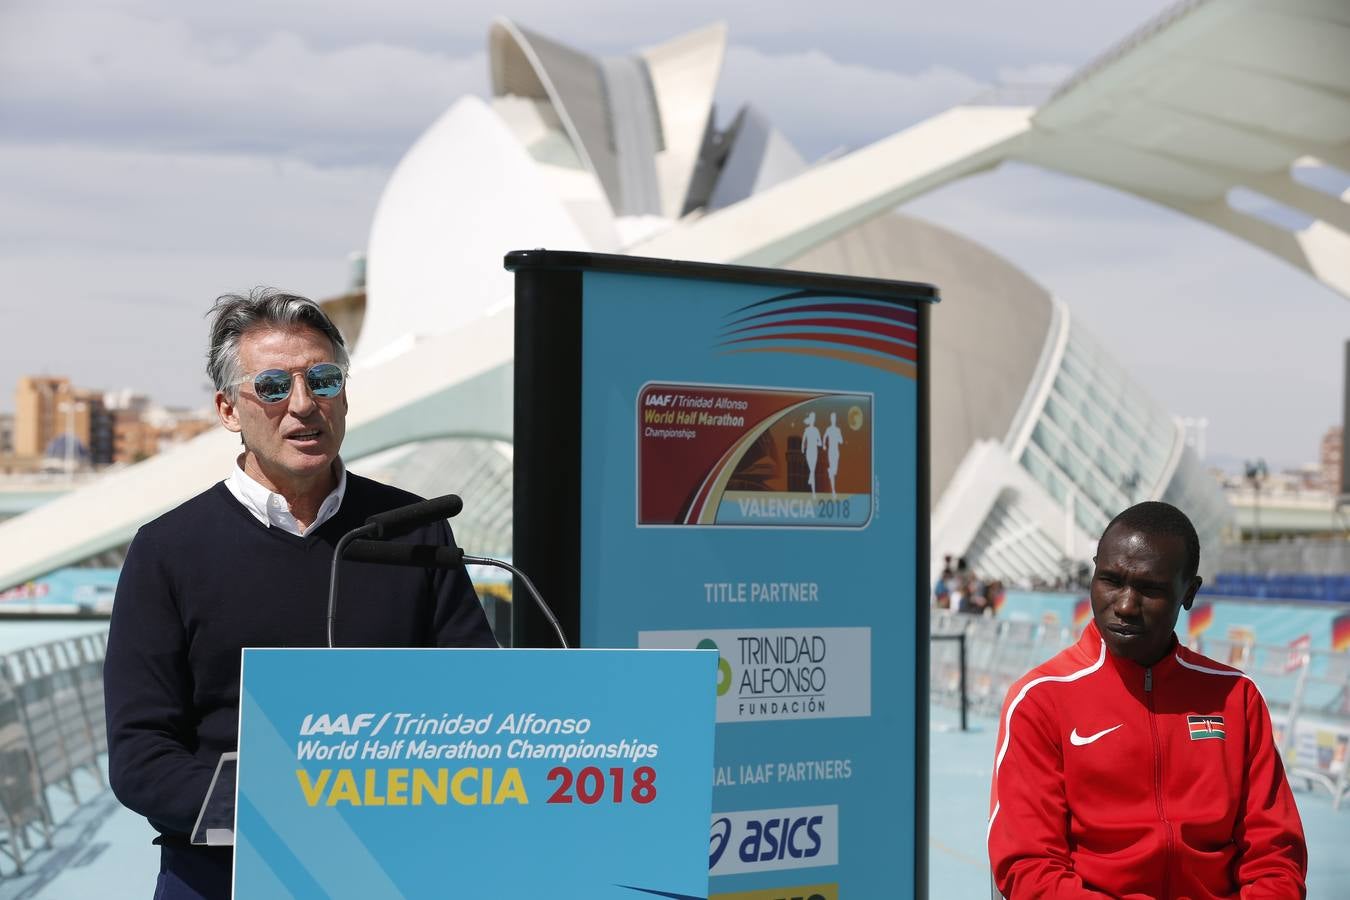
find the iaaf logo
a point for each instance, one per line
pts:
(783, 673)
(764, 840)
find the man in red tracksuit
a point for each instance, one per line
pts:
(1128, 766)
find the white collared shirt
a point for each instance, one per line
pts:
(272, 510)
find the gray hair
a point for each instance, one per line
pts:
(233, 315)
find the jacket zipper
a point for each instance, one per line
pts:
(1157, 782)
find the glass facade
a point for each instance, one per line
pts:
(1100, 442)
(1011, 546)
(1194, 490)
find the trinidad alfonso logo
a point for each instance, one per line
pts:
(1205, 728)
(782, 673)
(723, 667)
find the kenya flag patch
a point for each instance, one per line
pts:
(1205, 727)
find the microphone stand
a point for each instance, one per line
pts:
(346, 541)
(379, 526)
(367, 529)
(529, 587)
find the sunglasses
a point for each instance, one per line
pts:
(274, 385)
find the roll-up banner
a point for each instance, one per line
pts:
(735, 459)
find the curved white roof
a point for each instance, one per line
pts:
(789, 218)
(523, 64)
(684, 78)
(1213, 97)
(636, 123)
(464, 194)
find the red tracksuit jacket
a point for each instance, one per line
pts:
(1112, 780)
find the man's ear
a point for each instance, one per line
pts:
(1190, 592)
(228, 412)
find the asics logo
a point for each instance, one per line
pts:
(1079, 741)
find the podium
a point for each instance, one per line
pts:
(475, 773)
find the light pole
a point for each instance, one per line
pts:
(1256, 472)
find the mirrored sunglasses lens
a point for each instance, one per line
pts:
(272, 385)
(324, 380)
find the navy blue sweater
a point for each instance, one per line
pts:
(207, 579)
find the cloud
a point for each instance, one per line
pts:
(111, 78)
(63, 200)
(1048, 74)
(125, 76)
(110, 258)
(972, 35)
(821, 103)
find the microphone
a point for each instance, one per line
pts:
(405, 518)
(384, 524)
(430, 556)
(357, 546)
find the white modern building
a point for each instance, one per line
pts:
(1038, 436)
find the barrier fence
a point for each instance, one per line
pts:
(997, 653)
(52, 724)
(1307, 690)
(960, 687)
(51, 728)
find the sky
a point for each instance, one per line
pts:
(155, 154)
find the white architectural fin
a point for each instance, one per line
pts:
(684, 75)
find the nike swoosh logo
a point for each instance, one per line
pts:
(1079, 741)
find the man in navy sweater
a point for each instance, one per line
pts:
(245, 564)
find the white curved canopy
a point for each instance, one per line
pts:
(1211, 98)
(636, 123)
(684, 78)
(464, 194)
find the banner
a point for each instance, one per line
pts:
(725, 455)
(475, 773)
(750, 485)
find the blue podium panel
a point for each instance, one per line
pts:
(474, 773)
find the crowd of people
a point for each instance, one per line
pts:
(960, 589)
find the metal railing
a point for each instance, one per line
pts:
(951, 672)
(51, 728)
(1307, 691)
(994, 653)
